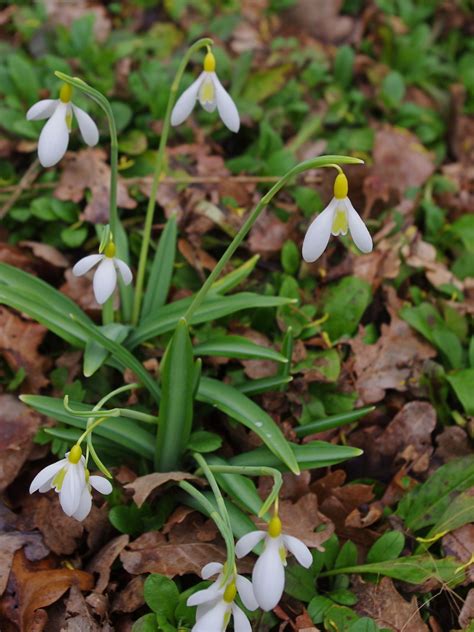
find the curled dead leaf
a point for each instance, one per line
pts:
(143, 486)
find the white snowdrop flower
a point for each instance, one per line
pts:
(54, 137)
(105, 277)
(70, 478)
(216, 604)
(338, 217)
(211, 94)
(268, 577)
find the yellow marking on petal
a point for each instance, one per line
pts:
(110, 249)
(206, 91)
(341, 187)
(339, 223)
(75, 454)
(282, 552)
(209, 62)
(57, 481)
(226, 619)
(274, 527)
(69, 120)
(65, 93)
(230, 592)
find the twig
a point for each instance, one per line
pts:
(27, 180)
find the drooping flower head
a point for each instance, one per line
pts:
(105, 277)
(70, 478)
(216, 604)
(338, 217)
(268, 577)
(208, 90)
(54, 137)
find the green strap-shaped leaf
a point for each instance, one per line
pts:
(124, 356)
(308, 456)
(235, 404)
(125, 432)
(158, 284)
(57, 322)
(214, 307)
(95, 354)
(176, 407)
(263, 385)
(234, 278)
(335, 421)
(237, 347)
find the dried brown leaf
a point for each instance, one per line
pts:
(88, 170)
(103, 560)
(143, 486)
(10, 543)
(18, 426)
(19, 343)
(384, 603)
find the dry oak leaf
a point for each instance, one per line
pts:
(143, 486)
(384, 603)
(466, 616)
(460, 544)
(131, 597)
(78, 617)
(10, 543)
(153, 553)
(38, 585)
(322, 20)
(268, 235)
(18, 426)
(19, 342)
(103, 560)
(88, 169)
(400, 160)
(394, 361)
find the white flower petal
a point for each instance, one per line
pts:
(204, 608)
(85, 505)
(245, 590)
(358, 229)
(88, 128)
(101, 484)
(213, 619)
(213, 568)
(317, 235)
(186, 102)
(105, 280)
(299, 550)
(203, 596)
(85, 264)
(41, 110)
(241, 623)
(42, 481)
(268, 577)
(54, 137)
(247, 542)
(71, 489)
(124, 270)
(226, 107)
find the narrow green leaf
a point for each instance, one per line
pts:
(176, 408)
(463, 385)
(124, 356)
(309, 455)
(335, 421)
(213, 308)
(158, 284)
(458, 513)
(59, 323)
(237, 347)
(241, 488)
(263, 385)
(235, 404)
(124, 432)
(234, 278)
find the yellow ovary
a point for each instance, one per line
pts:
(209, 62)
(339, 223)
(65, 93)
(75, 454)
(341, 187)
(110, 250)
(274, 527)
(206, 91)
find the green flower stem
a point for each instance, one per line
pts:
(108, 311)
(159, 165)
(221, 524)
(313, 163)
(214, 486)
(247, 470)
